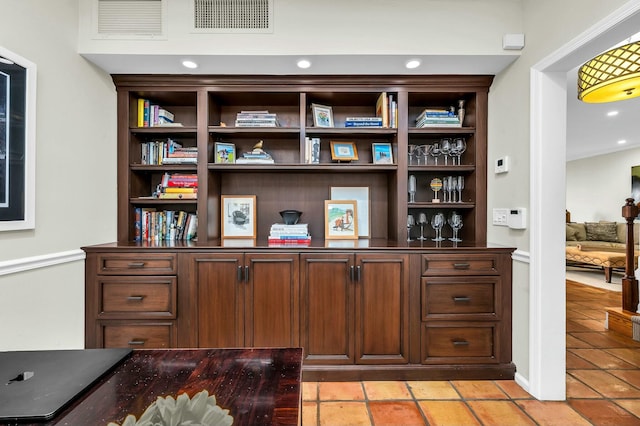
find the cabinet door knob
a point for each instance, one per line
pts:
(461, 299)
(461, 266)
(135, 298)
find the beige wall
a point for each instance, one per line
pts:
(597, 186)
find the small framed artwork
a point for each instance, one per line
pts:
(341, 219)
(361, 195)
(343, 151)
(382, 153)
(225, 153)
(322, 115)
(238, 216)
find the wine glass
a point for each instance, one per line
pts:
(411, 149)
(455, 222)
(460, 187)
(437, 222)
(422, 220)
(446, 190)
(434, 151)
(454, 188)
(425, 153)
(445, 149)
(460, 147)
(411, 221)
(412, 189)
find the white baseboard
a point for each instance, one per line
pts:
(29, 263)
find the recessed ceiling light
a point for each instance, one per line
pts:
(412, 63)
(622, 142)
(304, 63)
(612, 113)
(189, 64)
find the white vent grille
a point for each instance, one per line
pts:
(130, 17)
(232, 15)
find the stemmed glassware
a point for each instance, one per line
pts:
(435, 152)
(412, 189)
(458, 147)
(437, 222)
(445, 149)
(411, 151)
(453, 186)
(411, 221)
(425, 153)
(418, 154)
(422, 220)
(460, 187)
(446, 189)
(455, 221)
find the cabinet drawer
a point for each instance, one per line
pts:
(138, 336)
(136, 264)
(464, 343)
(466, 297)
(462, 264)
(137, 297)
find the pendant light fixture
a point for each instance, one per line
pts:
(611, 76)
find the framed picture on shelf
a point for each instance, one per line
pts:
(361, 195)
(225, 153)
(341, 219)
(343, 151)
(238, 216)
(382, 153)
(322, 115)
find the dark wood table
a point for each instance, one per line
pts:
(257, 386)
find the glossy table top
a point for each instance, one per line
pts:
(258, 386)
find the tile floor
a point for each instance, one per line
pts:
(603, 386)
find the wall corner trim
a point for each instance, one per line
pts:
(28, 263)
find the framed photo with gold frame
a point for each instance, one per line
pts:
(322, 115)
(238, 216)
(343, 151)
(341, 219)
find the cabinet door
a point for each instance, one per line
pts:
(326, 311)
(215, 301)
(271, 302)
(382, 309)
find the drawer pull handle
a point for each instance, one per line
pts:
(135, 298)
(136, 342)
(461, 266)
(136, 264)
(461, 299)
(460, 343)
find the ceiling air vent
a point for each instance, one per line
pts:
(233, 16)
(130, 19)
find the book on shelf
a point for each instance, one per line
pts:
(311, 150)
(180, 190)
(256, 119)
(150, 115)
(180, 180)
(177, 196)
(363, 124)
(254, 161)
(281, 242)
(166, 225)
(382, 109)
(435, 120)
(452, 124)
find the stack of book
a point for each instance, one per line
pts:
(256, 119)
(167, 152)
(166, 225)
(150, 115)
(363, 122)
(178, 186)
(282, 234)
(438, 117)
(387, 110)
(255, 158)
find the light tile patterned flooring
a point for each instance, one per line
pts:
(603, 386)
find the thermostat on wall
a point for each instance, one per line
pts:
(517, 218)
(502, 164)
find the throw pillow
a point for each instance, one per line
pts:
(571, 233)
(581, 232)
(601, 232)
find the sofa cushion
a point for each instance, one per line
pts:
(580, 231)
(571, 233)
(602, 231)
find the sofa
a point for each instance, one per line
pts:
(599, 244)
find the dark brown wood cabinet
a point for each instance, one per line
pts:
(386, 307)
